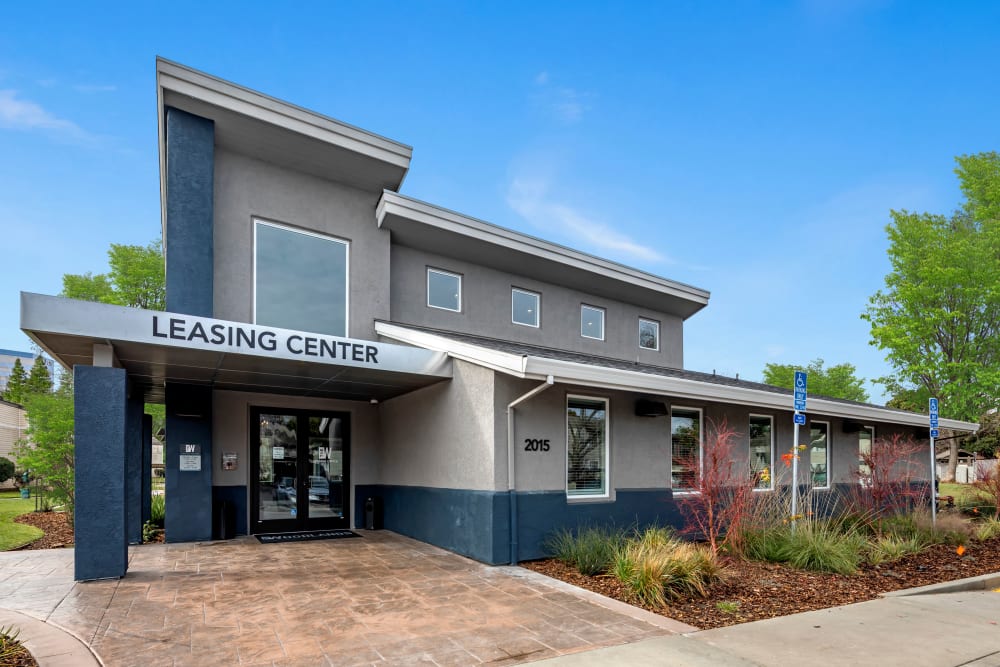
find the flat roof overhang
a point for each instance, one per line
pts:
(423, 226)
(156, 347)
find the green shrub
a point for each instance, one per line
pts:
(157, 509)
(819, 545)
(590, 550)
(654, 565)
(888, 549)
(987, 529)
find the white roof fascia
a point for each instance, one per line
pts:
(392, 203)
(511, 364)
(614, 378)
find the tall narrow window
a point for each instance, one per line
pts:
(592, 322)
(444, 290)
(586, 447)
(866, 437)
(649, 334)
(762, 451)
(300, 279)
(819, 454)
(685, 448)
(524, 307)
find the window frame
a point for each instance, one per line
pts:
(770, 465)
(701, 447)
(257, 221)
(606, 481)
(538, 307)
(427, 285)
(655, 323)
(604, 318)
(871, 443)
(829, 443)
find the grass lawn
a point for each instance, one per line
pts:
(960, 491)
(13, 493)
(13, 535)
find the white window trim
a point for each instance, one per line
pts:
(655, 323)
(701, 447)
(604, 318)
(538, 308)
(257, 222)
(829, 446)
(607, 449)
(770, 418)
(863, 427)
(444, 273)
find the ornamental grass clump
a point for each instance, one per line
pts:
(589, 550)
(889, 549)
(655, 566)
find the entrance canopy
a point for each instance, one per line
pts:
(157, 347)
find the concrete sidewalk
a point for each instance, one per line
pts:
(949, 624)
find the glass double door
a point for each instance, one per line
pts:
(301, 465)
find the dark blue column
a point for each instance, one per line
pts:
(101, 550)
(147, 465)
(133, 469)
(190, 147)
(188, 492)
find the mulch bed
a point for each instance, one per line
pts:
(55, 525)
(765, 590)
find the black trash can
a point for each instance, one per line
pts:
(225, 520)
(373, 513)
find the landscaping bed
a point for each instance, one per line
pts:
(55, 525)
(753, 590)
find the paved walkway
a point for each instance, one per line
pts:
(379, 600)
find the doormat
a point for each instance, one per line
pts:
(305, 536)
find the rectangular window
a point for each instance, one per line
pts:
(866, 436)
(762, 451)
(819, 454)
(444, 290)
(300, 279)
(649, 334)
(525, 307)
(586, 447)
(685, 448)
(592, 322)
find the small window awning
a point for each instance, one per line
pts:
(157, 347)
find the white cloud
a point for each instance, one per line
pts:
(565, 104)
(529, 198)
(94, 88)
(21, 114)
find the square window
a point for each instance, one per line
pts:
(525, 307)
(586, 447)
(592, 322)
(762, 451)
(649, 334)
(444, 290)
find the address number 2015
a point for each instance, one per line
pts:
(535, 445)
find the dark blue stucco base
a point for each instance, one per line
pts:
(237, 495)
(477, 523)
(188, 492)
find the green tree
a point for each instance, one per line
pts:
(938, 318)
(39, 380)
(48, 449)
(135, 278)
(986, 440)
(6, 469)
(834, 382)
(16, 384)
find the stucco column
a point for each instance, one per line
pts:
(189, 463)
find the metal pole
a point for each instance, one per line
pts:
(795, 473)
(933, 485)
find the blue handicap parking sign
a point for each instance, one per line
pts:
(800, 418)
(934, 433)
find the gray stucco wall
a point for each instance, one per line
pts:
(486, 311)
(246, 188)
(441, 436)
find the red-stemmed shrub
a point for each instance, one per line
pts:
(886, 475)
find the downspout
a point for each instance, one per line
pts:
(511, 494)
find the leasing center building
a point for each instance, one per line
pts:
(328, 340)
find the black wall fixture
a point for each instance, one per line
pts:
(647, 408)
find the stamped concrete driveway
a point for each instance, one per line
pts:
(382, 599)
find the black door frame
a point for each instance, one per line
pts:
(302, 521)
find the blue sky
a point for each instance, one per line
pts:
(751, 149)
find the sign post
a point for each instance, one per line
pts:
(798, 418)
(933, 405)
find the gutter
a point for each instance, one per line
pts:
(511, 481)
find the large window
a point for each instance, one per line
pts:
(586, 447)
(300, 279)
(525, 307)
(762, 451)
(444, 290)
(866, 436)
(819, 454)
(649, 334)
(685, 448)
(592, 322)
